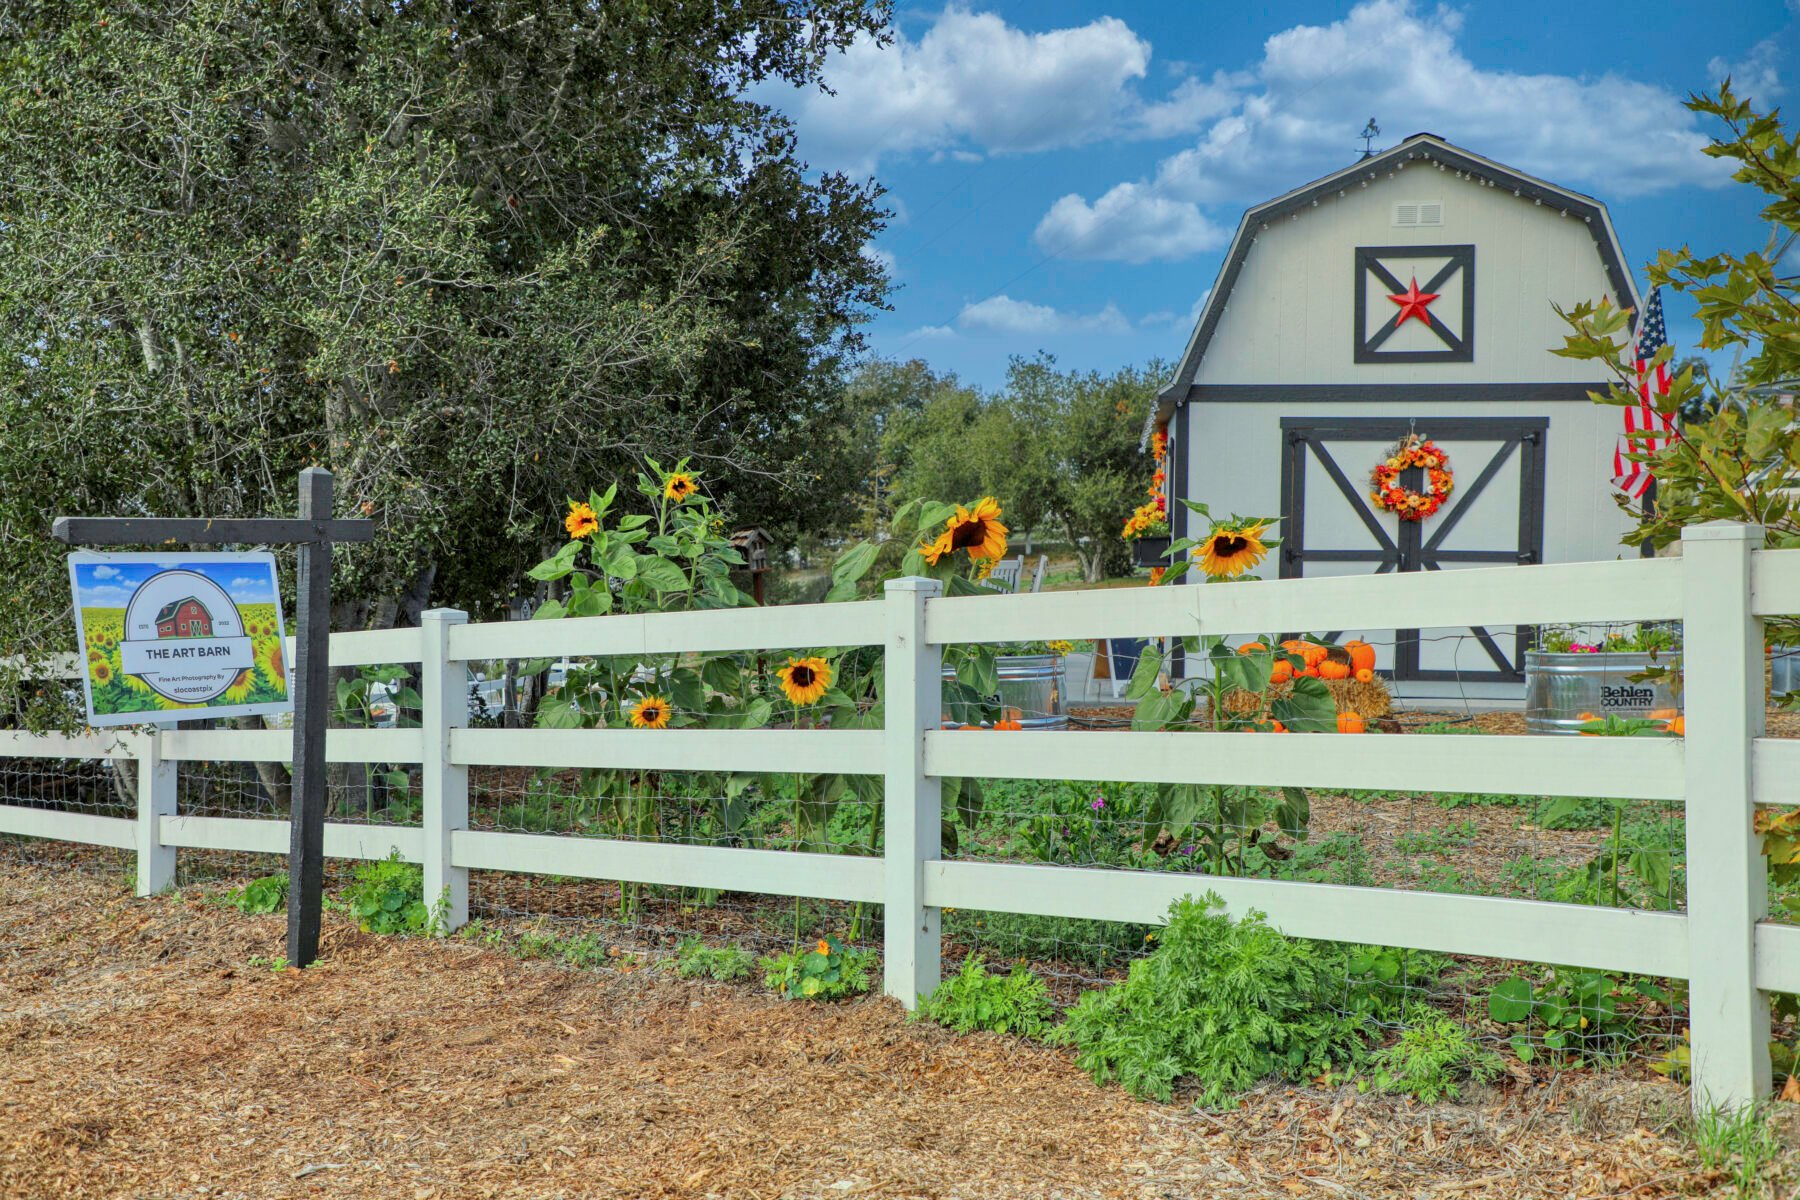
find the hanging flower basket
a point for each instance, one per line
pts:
(1150, 551)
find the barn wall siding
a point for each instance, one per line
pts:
(1234, 462)
(1289, 317)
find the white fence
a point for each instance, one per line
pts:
(1721, 589)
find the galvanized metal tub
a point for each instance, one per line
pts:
(1560, 687)
(1033, 684)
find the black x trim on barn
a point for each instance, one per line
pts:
(1457, 348)
(1419, 545)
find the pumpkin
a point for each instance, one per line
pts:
(1334, 670)
(1311, 673)
(1362, 655)
(1252, 648)
(1365, 675)
(1292, 645)
(1282, 671)
(1663, 714)
(1313, 654)
(1349, 722)
(1279, 727)
(1677, 726)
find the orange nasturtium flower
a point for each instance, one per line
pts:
(977, 530)
(804, 680)
(824, 948)
(581, 520)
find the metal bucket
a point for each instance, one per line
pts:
(1034, 685)
(1560, 687)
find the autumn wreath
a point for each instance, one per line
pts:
(1413, 450)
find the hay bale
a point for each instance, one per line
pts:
(1368, 700)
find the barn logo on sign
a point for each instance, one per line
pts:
(1625, 695)
(184, 637)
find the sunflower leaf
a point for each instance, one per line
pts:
(933, 513)
(661, 574)
(1143, 677)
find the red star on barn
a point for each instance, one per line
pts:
(1413, 303)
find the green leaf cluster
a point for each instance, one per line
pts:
(265, 895)
(1574, 1012)
(1432, 1059)
(388, 896)
(1224, 1004)
(975, 998)
(694, 959)
(832, 971)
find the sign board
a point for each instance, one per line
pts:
(171, 637)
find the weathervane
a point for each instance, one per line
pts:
(1370, 132)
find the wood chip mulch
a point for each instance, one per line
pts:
(142, 1055)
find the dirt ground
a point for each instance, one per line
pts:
(142, 1054)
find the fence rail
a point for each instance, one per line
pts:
(1720, 589)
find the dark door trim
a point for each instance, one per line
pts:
(1419, 546)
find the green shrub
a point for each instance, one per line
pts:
(265, 895)
(1224, 1003)
(828, 971)
(974, 999)
(696, 960)
(388, 897)
(1432, 1059)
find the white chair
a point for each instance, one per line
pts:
(1005, 575)
(1037, 578)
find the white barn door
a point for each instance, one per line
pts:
(1495, 516)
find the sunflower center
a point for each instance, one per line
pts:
(969, 533)
(801, 676)
(1227, 544)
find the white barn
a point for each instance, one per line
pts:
(1408, 293)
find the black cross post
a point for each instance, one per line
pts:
(313, 531)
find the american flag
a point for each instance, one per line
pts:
(1646, 430)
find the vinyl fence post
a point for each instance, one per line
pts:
(912, 945)
(156, 789)
(444, 692)
(1722, 661)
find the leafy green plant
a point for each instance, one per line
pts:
(1432, 1059)
(828, 971)
(265, 895)
(974, 998)
(1226, 1004)
(388, 896)
(1576, 1013)
(694, 959)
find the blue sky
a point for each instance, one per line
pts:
(1066, 174)
(110, 584)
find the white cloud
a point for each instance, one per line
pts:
(1757, 75)
(105, 572)
(972, 85)
(1294, 115)
(1131, 223)
(1185, 320)
(1003, 314)
(107, 596)
(931, 331)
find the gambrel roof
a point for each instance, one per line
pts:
(1420, 147)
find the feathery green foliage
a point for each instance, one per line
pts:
(974, 998)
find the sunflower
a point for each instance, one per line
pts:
(268, 657)
(804, 680)
(679, 486)
(1227, 552)
(652, 712)
(581, 520)
(976, 530)
(241, 687)
(102, 672)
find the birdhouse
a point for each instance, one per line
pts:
(753, 544)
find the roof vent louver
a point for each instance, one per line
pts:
(1419, 214)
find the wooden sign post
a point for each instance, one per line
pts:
(313, 531)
